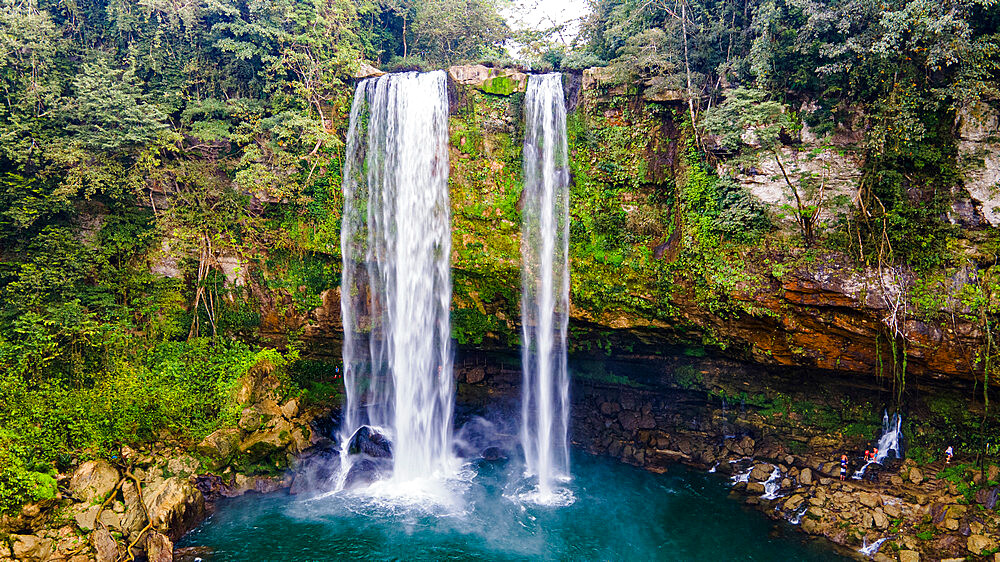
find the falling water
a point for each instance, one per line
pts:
(772, 485)
(891, 442)
(545, 284)
(869, 550)
(396, 281)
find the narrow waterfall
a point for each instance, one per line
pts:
(891, 439)
(890, 442)
(396, 281)
(545, 284)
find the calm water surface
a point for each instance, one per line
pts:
(620, 513)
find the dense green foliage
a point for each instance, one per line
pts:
(138, 393)
(907, 64)
(170, 183)
(144, 151)
(778, 84)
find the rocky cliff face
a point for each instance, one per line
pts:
(642, 277)
(777, 434)
(979, 148)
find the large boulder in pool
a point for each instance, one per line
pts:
(317, 470)
(368, 441)
(494, 454)
(364, 471)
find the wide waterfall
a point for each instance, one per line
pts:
(396, 283)
(545, 285)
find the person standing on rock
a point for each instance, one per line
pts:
(843, 467)
(868, 455)
(948, 453)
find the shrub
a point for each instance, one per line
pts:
(186, 388)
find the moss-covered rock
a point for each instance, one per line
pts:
(220, 446)
(494, 81)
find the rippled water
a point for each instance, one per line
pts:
(620, 513)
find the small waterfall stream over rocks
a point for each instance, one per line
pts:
(396, 283)
(890, 443)
(545, 288)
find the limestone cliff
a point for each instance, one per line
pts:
(660, 254)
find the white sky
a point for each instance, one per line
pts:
(543, 14)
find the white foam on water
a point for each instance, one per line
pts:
(869, 550)
(554, 497)
(438, 495)
(797, 518)
(742, 477)
(772, 485)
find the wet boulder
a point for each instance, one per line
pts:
(493, 454)
(318, 470)
(364, 471)
(368, 441)
(881, 473)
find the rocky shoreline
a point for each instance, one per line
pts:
(138, 505)
(779, 464)
(917, 514)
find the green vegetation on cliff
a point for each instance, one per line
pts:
(170, 189)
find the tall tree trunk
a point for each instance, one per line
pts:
(687, 69)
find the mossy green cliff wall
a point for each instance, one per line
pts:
(672, 241)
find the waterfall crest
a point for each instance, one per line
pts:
(396, 280)
(545, 284)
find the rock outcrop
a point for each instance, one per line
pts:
(174, 505)
(497, 81)
(365, 471)
(93, 480)
(368, 441)
(979, 150)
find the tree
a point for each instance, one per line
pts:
(109, 111)
(30, 79)
(747, 115)
(449, 31)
